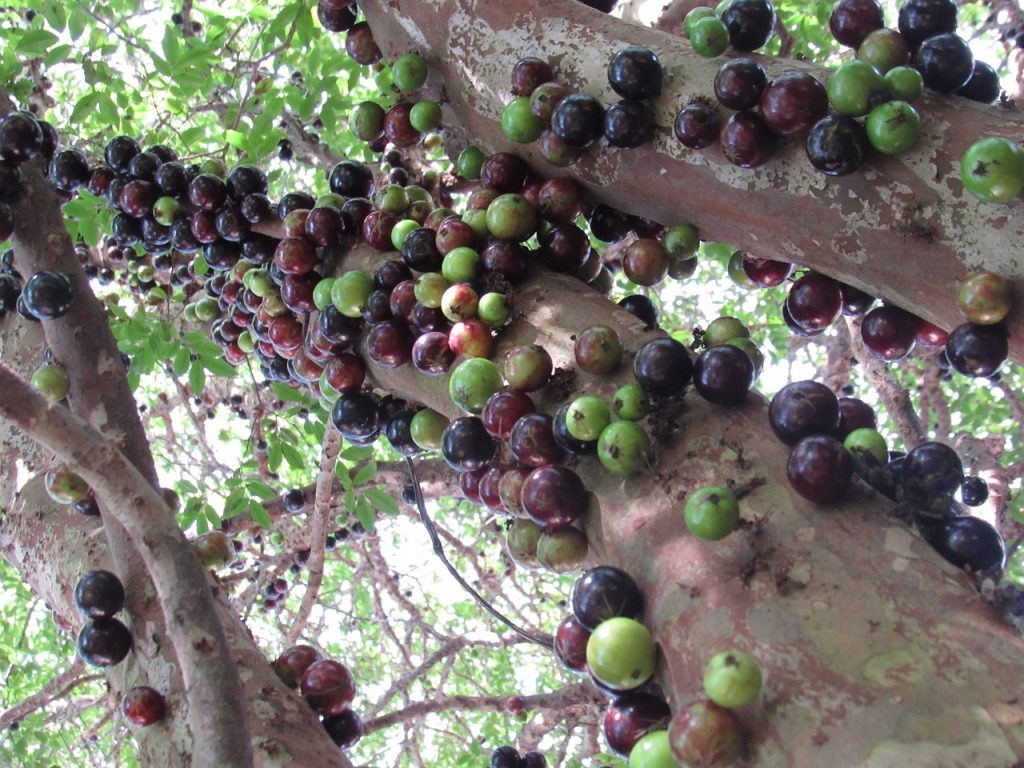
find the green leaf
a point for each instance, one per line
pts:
(366, 515)
(219, 367)
(356, 453)
(262, 490)
(283, 392)
(197, 378)
(274, 455)
(365, 473)
(181, 362)
(259, 514)
(292, 455)
(35, 42)
(170, 45)
(381, 500)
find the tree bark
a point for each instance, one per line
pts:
(900, 228)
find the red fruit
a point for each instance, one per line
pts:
(554, 496)
(471, 339)
(705, 734)
(143, 706)
(328, 686)
(571, 643)
(293, 662)
(503, 409)
(767, 273)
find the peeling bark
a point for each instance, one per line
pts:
(902, 228)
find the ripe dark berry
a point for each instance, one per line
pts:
(747, 141)
(739, 84)
(528, 73)
(977, 350)
(21, 138)
(295, 500)
(723, 374)
(663, 367)
(466, 445)
(945, 63)
(357, 416)
(119, 152)
(923, 19)
(345, 728)
(578, 120)
(749, 22)
(889, 332)
(974, 491)
(697, 125)
(48, 295)
(820, 468)
(553, 496)
(837, 145)
(793, 102)
(328, 686)
(629, 124)
(814, 301)
(603, 593)
(69, 170)
(853, 20)
(532, 440)
(505, 757)
(641, 307)
(801, 409)
(104, 642)
(607, 224)
(931, 469)
(351, 178)
(143, 706)
(635, 73)
(970, 542)
(99, 594)
(631, 717)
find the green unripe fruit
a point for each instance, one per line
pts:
(709, 37)
(630, 402)
(214, 166)
(623, 448)
(681, 241)
(883, 49)
(724, 329)
(477, 220)
(521, 539)
(470, 162)
(984, 298)
(852, 87)
(737, 274)
(472, 382)
(621, 653)
(350, 292)
(992, 169)
(277, 539)
(693, 17)
(653, 749)
(893, 127)
(247, 342)
(322, 293)
(393, 198)
(367, 121)
(905, 83)
(64, 486)
(732, 679)
(52, 380)
(511, 217)
(418, 194)
(429, 289)
(712, 512)
(425, 116)
(519, 123)
(586, 417)
(461, 265)
(409, 72)
(867, 447)
(401, 231)
(328, 392)
(165, 209)
(427, 428)
(494, 309)
(259, 282)
(562, 549)
(215, 549)
(207, 309)
(330, 200)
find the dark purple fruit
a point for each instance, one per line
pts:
(977, 350)
(820, 468)
(528, 73)
(931, 469)
(389, 344)
(420, 251)
(635, 73)
(945, 63)
(970, 542)
(570, 643)
(104, 642)
(357, 416)
(431, 354)
(814, 301)
(351, 178)
(837, 145)
(923, 19)
(642, 308)
(48, 295)
(747, 141)
(69, 170)
(629, 124)
(889, 332)
(749, 22)
(607, 224)
(328, 686)
(723, 374)
(663, 367)
(143, 706)
(974, 491)
(21, 138)
(801, 409)
(578, 120)
(739, 84)
(465, 444)
(206, 192)
(631, 717)
(603, 593)
(504, 409)
(293, 662)
(697, 125)
(505, 172)
(855, 301)
(505, 757)
(853, 20)
(345, 728)
(983, 85)
(99, 594)
(532, 440)
(793, 102)
(553, 496)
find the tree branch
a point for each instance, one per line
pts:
(59, 687)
